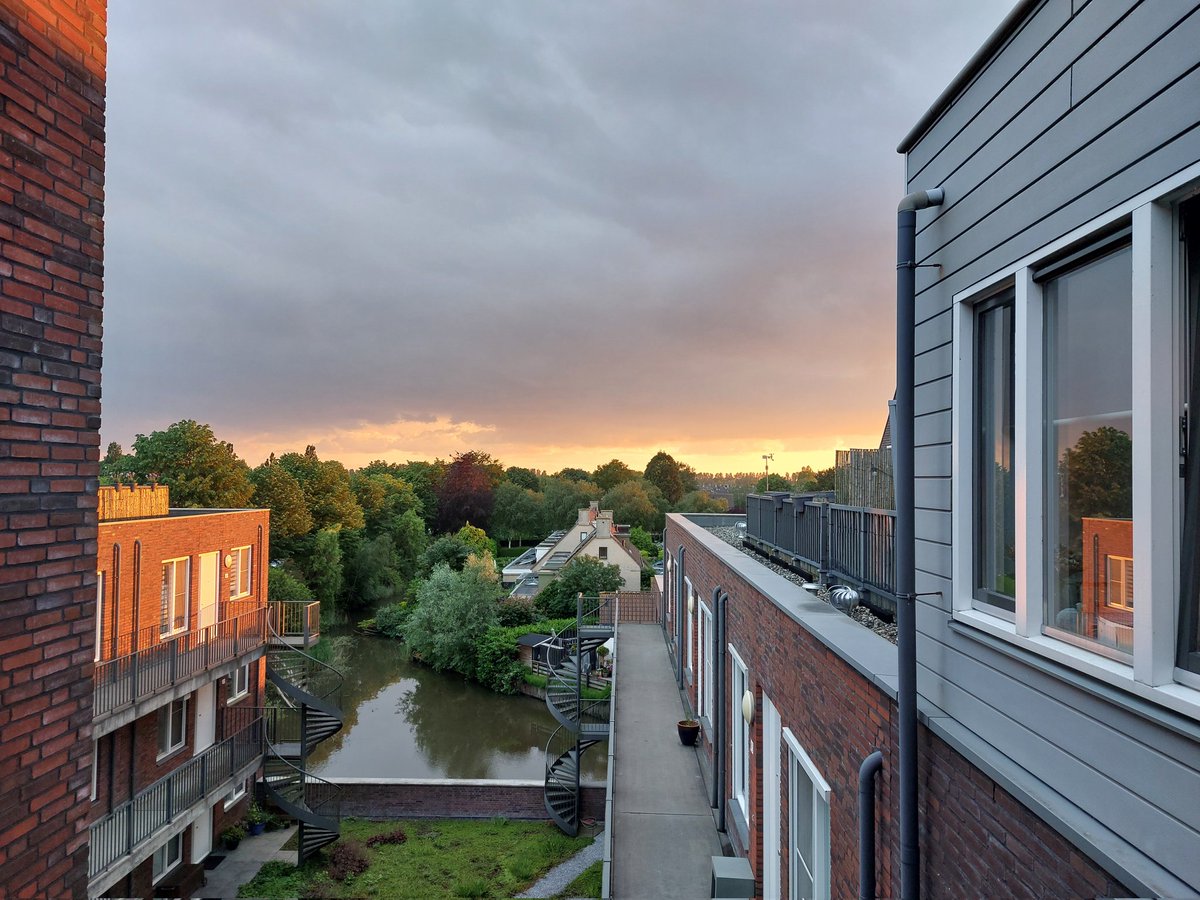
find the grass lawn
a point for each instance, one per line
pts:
(440, 858)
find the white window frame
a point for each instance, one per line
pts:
(166, 628)
(239, 684)
(705, 688)
(1124, 598)
(690, 600)
(237, 589)
(1156, 295)
(819, 851)
(238, 792)
(741, 735)
(167, 857)
(166, 716)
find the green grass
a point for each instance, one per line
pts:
(448, 858)
(540, 681)
(588, 883)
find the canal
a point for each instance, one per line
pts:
(404, 720)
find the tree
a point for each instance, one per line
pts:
(201, 471)
(382, 497)
(667, 475)
(448, 550)
(640, 538)
(116, 467)
(407, 532)
(373, 572)
(823, 480)
(561, 501)
(701, 502)
(776, 483)
(611, 474)
(637, 503)
(573, 474)
(517, 514)
(1098, 475)
(526, 478)
(324, 569)
(326, 486)
(476, 540)
(583, 575)
(425, 478)
(454, 611)
(467, 492)
(277, 490)
(285, 587)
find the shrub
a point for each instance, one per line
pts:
(516, 612)
(398, 836)
(496, 663)
(283, 585)
(347, 859)
(390, 620)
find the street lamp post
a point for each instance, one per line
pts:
(767, 457)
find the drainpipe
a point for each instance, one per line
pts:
(866, 824)
(720, 600)
(902, 442)
(679, 601)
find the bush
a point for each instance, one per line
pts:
(390, 620)
(283, 585)
(518, 611)
(347, 859)
(496, 663)
(398, 836)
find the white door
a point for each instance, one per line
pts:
(205, 700)
(202, 836)
(209, 566)
(772, 744)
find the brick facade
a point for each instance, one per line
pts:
(51, 242)
(458, 799)
(977, 840)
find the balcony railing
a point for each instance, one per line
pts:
(296, 620)
(201, 778)
(160, 663)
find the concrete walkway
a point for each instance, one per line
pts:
(663, 829)
(242, 864)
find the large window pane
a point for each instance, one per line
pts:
(1089, 453)
(1189, 580)
(995, 563)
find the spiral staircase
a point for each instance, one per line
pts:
(582, 723)
(305, 696)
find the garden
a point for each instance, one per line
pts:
(426, 859)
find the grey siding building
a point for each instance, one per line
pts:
(1057, 472)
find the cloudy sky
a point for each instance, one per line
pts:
(559, 232)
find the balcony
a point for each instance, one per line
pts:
(162, 666)
(123, 838)
(296, 623)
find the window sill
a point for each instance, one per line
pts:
(237, 698)
(161, 758)
(1105, 678)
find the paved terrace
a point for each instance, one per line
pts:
(663, 829)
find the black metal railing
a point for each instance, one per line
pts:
(161, 662)
(832, 542)
(153, 809)
(296, 619)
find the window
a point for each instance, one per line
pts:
(176, 588)
(239, 683)
(995, 559)
(705, 690)
(172, 727)
(235, 795)
(741, 736)
(808, 825)
(99, 615)
(239, 582)
(167, 857)
(1074, 369)
(95, 767)
(691, 605)
(603, 551)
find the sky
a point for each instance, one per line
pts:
(557, 232)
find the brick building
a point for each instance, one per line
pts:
(51, 265)
(181, 637)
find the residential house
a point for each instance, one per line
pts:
(181, 638)
(595, 535)
(1057, 296)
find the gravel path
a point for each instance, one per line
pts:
(860, 614)
(556, 880)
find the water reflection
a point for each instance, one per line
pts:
(403, 720)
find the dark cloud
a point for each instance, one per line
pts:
(547, 219)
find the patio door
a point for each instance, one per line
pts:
(772, 743)
(208, 589)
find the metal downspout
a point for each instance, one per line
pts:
(679, 601)
(866, 824)
(905, 535)
(719, 744)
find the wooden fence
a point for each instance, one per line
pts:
(864, 478)
(641, 607)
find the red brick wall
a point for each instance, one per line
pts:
(131, 554)
(455, 800)
(977, 840)
(51, 239)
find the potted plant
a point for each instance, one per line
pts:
(688, 729)
(256, 818)
(232, 836)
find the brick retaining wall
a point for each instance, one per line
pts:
(428, 798)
